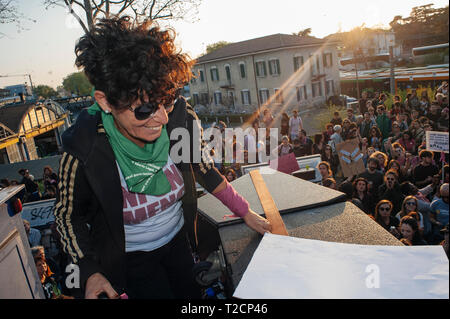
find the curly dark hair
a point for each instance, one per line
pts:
(129, 60)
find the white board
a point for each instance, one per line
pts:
(285, 267)
(437, 141)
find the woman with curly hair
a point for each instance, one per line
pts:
(382, 216)
(410, 207)
(126, 207)
(361, 192)
(375, 138)
(409, 229)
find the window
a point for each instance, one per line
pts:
(193, 79)
(278, 96)
(261, 68)
(242, 70)
(274, 67)
(228, 72)
(264, 95)
(204, 98)
(316, 89)
(245, 95)
(202, 76)
(301, 93)
(195, 98)
(298, 62)
(214, 74)
(218, 98)
(327, 60)
(329, 87)
(318, 63)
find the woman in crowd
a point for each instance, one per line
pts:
(411, 204)
(375, 138)
(325, 170)
(391, 190)
(360, 192)
(285, 147)
(284, 129)
(230, 174)
(383, 217)
(52, 289)
(409, 229)
(408, 142)
(394, 164)
(49, 177)
(318, 144)
(328, 156)
(382, 158)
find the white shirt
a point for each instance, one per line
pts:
(152, 221)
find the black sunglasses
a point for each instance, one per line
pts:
(147, 110)
(384, 209)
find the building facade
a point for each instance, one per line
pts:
(281, 72)
(29, 131)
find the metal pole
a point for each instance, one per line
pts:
(391, 63)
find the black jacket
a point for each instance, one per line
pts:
(88, 207)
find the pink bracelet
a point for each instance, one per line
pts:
(235, 202)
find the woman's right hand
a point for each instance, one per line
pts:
(98, 284)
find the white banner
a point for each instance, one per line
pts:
(437, 141)
(39, 213)
(285, 267)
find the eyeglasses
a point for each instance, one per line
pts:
(146, 110)
(384, 209)
(411, 203)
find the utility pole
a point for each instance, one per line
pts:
(391, 64)
(356, 73)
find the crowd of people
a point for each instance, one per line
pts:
(48, 267)
(404, 186)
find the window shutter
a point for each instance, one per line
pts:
(270, 67)
(257, 69)
(249, 97)
(278, 66)
(217, 73)
(212, 75)
(242, 97)
(296, 66)
(264, 67)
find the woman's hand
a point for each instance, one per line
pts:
(98, 284)
(256, 222)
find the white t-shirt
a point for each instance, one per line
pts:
(295, 124)
(152, 221)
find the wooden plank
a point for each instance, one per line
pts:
(269, 207)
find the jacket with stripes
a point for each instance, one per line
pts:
(88, 207)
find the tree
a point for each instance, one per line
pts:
(303, 33)
(139, 9)
(44, 91)
(217, 45)
(9, 13)
(425, 26)
(77, 83)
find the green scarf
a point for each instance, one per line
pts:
(141, 167)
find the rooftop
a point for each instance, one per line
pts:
(270, 42)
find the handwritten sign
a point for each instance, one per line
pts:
(350, 157)
(39, 213)
(437, 141)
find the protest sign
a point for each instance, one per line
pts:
(437, 141)
(39, 213)
(350, 157)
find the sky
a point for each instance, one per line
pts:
(46, 49)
